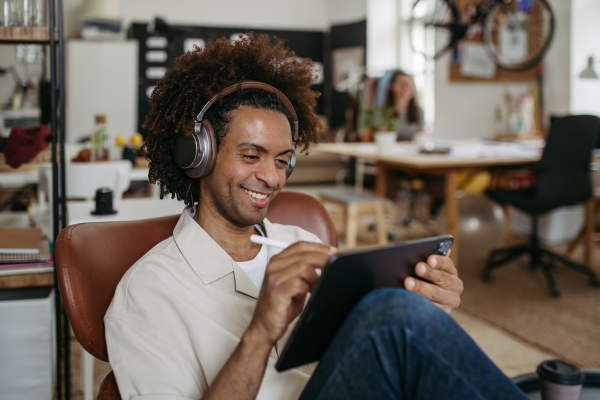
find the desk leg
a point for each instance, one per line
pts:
(508, 223)
(590, 217)
(359, 175)
(452, 211)
(381, 181)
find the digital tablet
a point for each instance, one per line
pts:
(346, 278)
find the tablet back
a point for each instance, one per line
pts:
(346, 278)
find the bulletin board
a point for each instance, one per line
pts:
(502, 74)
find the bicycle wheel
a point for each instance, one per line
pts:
(517, 33)
(434, 26)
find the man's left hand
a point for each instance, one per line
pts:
(444, 286)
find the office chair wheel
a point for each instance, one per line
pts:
(554, 292)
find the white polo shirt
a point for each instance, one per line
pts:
(179, 313)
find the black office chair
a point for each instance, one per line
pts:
(562, 179)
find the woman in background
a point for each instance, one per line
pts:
(402, 97)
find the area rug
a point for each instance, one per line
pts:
(518, 301)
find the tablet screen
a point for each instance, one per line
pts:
(346, 278)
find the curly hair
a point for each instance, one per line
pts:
(199, 74)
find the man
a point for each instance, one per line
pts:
(205, 314)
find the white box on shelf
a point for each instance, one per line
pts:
(558, 226)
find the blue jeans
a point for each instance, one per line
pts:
(398, 345)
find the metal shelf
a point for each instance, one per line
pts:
(41, 35)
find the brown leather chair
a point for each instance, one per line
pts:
(91, 259)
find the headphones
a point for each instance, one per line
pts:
(197, 153)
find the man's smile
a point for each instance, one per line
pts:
(260, 199)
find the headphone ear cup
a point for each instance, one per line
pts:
(196, 153)
(187, 150)
(291, 164)
(212, 148)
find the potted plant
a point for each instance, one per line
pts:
(379, 123)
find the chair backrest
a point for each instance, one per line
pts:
(554, 118)
(91, 258)
(563, 173)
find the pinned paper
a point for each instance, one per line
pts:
(475, 62)
(513, 37)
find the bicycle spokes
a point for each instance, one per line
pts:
(432, 27)
(518, 33)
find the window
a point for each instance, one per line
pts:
(415, 64)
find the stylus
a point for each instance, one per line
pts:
(269, 242)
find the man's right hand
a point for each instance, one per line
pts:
(289, 277)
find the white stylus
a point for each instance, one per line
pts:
(269, 242)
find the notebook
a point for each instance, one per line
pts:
(20, 240)
(16, 258)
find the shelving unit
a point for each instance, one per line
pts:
(13, 35)
(25, 35)
(26, 280)
(59, 203)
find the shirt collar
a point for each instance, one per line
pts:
(208, 260)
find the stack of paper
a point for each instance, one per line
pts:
(23, 246)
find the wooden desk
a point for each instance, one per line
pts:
(466, 156)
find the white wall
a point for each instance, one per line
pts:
(275, 14)
(557, 67)
(382, 35)
(466, 110)
(101, 79)
(283, 14)
(585, 93)
(268, 14)
(72, 16)
(340, 12)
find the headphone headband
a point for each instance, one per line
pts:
(249, 84)
(196, 153)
